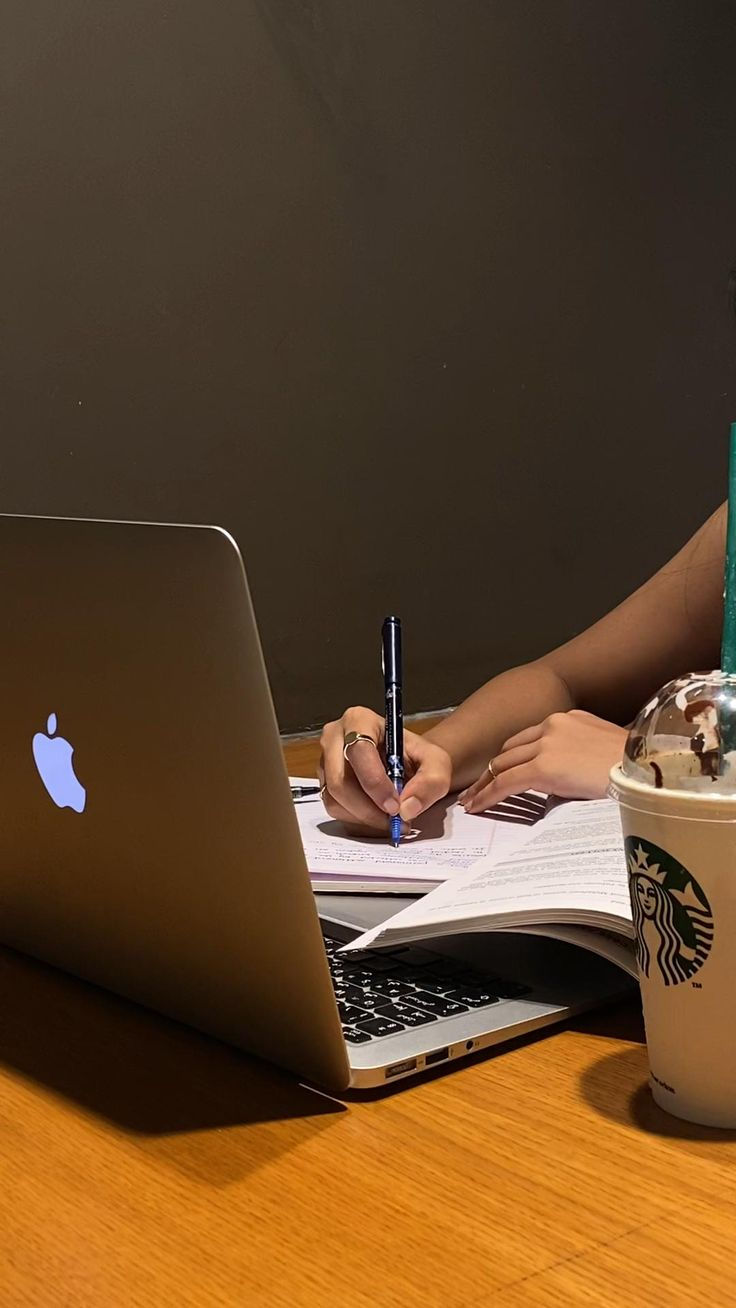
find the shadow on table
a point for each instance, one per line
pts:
(619, 1021)
(150, 1077)
(616, 1086)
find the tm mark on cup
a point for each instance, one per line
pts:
(696, 985)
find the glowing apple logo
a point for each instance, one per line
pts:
(53, 758)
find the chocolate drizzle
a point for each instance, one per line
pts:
(706, 743)
(634, 747)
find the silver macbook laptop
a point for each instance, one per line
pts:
(149, 841)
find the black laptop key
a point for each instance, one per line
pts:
(351, 1014)
(469, 977)
(438, 985)
(436, 1004)
(380, 1026)
(390, 988)
(474, 997)
(510, 989)
(438, 967)
(356, 976)
(406, 1014)
(351, 995)
(363, 998)
(377, 964)
(355, 1037)
(372, 962)
(416, 957)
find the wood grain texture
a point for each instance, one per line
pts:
(143, 1164)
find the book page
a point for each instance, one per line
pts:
(572, 869)
(574, 860)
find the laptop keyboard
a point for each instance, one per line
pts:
(382, 992)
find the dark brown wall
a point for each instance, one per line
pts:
(264, 260)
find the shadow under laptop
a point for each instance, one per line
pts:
(170, 1089)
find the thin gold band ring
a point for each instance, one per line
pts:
(352, 738)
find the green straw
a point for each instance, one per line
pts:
(727, 717)
(728, 641)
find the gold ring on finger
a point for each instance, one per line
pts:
(352, 738)
(492, 770)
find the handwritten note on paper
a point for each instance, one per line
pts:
(445, 842)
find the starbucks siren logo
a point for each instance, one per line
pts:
(673, 919)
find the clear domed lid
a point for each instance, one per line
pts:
(685, 737)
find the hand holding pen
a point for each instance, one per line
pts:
(353, 771)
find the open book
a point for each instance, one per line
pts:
(567, 880)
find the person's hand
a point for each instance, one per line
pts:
(569, 754)
(357, 790)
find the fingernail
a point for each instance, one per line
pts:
(409, 809)
(461, 797)
(391, 806)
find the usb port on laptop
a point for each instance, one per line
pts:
(436, 1056)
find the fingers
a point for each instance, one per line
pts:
(357, 787)
(523, 738)
(368, 768)
(348, 819)
(512, 782)
(511, 758)
(345, 801)
(364, 721)
(431, 769)
(569, 754)
(540, 729)
(344, 791)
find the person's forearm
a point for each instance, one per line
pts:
(509, 703)
(670, 624)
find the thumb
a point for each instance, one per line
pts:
(431, 781)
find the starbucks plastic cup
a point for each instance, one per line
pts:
(677, 794)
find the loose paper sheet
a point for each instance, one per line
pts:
(446, 842)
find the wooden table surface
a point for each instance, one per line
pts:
(143, 1164)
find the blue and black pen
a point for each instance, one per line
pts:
(394, 742)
